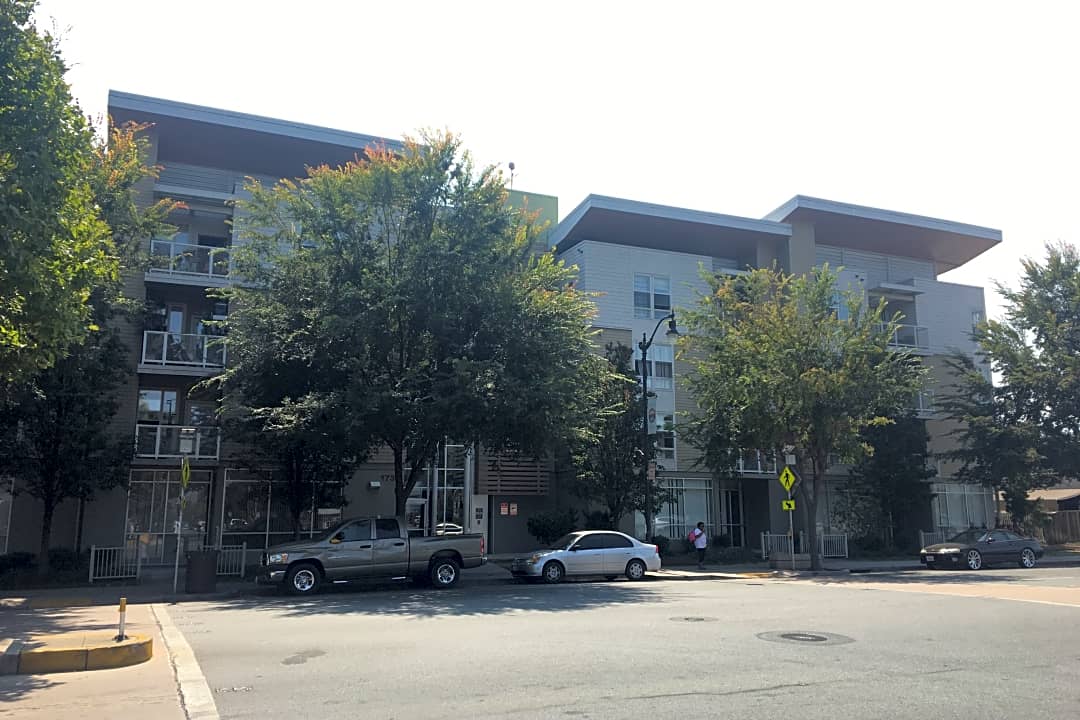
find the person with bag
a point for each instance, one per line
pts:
(700, 541)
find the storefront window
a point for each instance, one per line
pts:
(256, 510)
(960, 506)
(153, 510)
(691, 503)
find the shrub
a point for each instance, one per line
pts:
(65, 559)
(16, 561)
(547, 527)
(733, 555)
(723, 541)
(662, 542)
(598, 520)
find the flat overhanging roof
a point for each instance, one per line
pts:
(948, 244)
(639, 224)
(213, 137)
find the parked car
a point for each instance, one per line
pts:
(975, 549)
(590, 552)
(362, 549)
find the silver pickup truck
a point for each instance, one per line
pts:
(370, 549)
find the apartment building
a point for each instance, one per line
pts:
(206, 155)
(645, 260)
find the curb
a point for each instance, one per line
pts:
(195, 697)
(21, 660)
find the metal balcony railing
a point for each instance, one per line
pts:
(171, 257)
(173, 441)
(756, 461)
(166, 348)
(910, 336)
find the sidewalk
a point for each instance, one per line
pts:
(144, 690)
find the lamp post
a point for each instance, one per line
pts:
(646, 448)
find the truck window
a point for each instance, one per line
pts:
(387, 529)
(355, 531)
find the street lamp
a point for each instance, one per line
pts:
(643, 346)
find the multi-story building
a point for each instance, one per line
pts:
(646, 260)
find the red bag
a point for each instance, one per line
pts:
(692, 536)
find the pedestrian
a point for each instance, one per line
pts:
(700, 541)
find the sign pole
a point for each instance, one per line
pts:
(791, 529)
(185, 476)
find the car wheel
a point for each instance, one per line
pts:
(444, 573)
(973, 560)
(1027, 558)
(635, 570)
(554, 572)
(303, 579)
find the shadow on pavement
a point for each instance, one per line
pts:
(929, 577)
(428, 603)
(16, 687)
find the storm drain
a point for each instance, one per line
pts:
(693, 618)
(806, 637)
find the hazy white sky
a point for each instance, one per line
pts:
(967, 111)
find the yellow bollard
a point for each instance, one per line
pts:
(123, 617)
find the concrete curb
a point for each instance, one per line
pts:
(195, 696)
(103, 654)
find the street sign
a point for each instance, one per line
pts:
(787, 478)
(788, 505)
(185, 472)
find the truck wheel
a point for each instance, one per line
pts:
(444, 573)
(303, 579)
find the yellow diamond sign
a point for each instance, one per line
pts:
(787, 478)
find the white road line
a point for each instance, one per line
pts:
(195, 696)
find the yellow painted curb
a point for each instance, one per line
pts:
(132, 651)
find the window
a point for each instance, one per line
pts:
(661, 367)
(594, 541)
(158, 406)
(976, 319)
(665, 439)
(387, 529)
(356, 531)
(652, 296)
(691, 503)
(611, 540)
(959, 506)
(255, 510)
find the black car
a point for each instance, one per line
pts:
(975, 549)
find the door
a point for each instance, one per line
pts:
(390, 551)
(586, 557)
(618, 551)
(1000, 547)
(350, 551)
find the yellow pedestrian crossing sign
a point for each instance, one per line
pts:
(788, 505)
(787, 478)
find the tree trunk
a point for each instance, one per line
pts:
(46, 540)
(401, 490)
(811, 521)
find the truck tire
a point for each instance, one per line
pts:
(303, 579)
(444, 573)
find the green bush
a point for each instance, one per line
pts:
(733, 555)
(662, 543)
(547, 527)
(16, 561)
(64, 559)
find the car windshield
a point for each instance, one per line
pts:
(563, 542)
(968, 536)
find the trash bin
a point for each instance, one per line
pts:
(201, 574)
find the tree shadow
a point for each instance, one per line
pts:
(17, 687)
(476, 601)
(928, 577)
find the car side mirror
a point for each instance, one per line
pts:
(574, 548)
(337, 538)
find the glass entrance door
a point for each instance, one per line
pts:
(731, 523)
(451, 491)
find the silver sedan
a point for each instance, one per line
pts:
(589, 552)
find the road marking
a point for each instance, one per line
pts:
(195, 697)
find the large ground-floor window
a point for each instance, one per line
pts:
(255, 509)
(691, 502)
(439, 502)
(153, 511)
(958, 506)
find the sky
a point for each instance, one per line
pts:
(966, 111)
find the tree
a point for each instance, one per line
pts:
(608, 462)
(54, 243)
(887, 488)
(776, 366)
(402, 289)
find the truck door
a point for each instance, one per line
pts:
(391, 549)
(350, 551)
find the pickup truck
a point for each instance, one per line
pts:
(374, 548)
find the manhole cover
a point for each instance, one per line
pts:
(806, 637)
(693, 618)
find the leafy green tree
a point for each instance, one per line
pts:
(402, 289)
(54, 243)
(887, 489)
(776, 365)
(608, 461)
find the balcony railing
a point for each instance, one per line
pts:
(173, 441)
(171, 257)
(910, 336)
(166, 348)
(923, 403)
(755, 461)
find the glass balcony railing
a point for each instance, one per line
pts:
(756, 461)
(173, 441)
(166, 348)
(171, 257)
(910, 336)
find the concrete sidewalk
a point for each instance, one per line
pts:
(144, 690)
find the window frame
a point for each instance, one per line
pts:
(653, 310)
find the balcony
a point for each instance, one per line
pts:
(923, 404)
(186, 263)
(756, 461)
(182, 352)
(910, 336)
(174, 441)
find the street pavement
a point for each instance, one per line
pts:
(1001, 643)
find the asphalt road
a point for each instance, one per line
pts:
(926, 645)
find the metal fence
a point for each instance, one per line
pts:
(115, 563)
(774, 543)
(833, 545)
(932, 537)
(230, 560)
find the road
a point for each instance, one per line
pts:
(926, 645)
